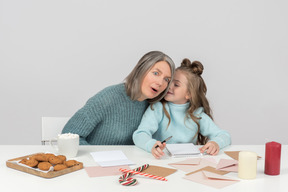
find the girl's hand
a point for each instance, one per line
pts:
(211, 148)
(158, 152)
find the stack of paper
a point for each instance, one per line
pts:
(182, 150)
(111, 158)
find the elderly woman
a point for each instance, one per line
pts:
(112, 115)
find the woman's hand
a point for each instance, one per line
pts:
(158, 152)
(211, 148)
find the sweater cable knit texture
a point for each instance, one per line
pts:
(108, 118)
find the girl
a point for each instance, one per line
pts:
(111, 116)
(185, 114)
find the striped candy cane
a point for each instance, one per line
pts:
(127, 180)
(144, 174)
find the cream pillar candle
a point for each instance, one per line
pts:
(247, 165)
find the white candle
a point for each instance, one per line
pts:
(247, 165)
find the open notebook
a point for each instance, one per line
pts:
(183, 150)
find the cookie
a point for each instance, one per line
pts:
(59, 167)
(23, 161)
(55, 160)
(39, 157)
(45, 166)
(48, 155)
(70, 163)
(62, 157)
(31, 162)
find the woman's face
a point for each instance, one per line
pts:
(155, 81)
(178, 92)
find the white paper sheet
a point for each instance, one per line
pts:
(111, 158)
(183, 150)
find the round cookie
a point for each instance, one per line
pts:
(59, 167)
(23, 161)
(45, 166)
(55, 160)
(48, 155)
(39, 157)
(31, 162)
(62, 157)
(70, 163)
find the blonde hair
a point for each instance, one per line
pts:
(197, 89)
(134, 80)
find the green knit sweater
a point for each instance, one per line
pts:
(108, 118)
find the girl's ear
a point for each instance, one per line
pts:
(187, 96)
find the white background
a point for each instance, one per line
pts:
(55, 54)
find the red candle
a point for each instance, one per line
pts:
(272, 158)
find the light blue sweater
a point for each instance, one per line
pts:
(108, 118)
(153, 127)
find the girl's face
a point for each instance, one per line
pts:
(155, 81)
(178, 92)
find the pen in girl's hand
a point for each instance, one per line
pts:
(164, 141)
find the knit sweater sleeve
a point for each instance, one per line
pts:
(142, 137)
(84, 121)
(209, 129)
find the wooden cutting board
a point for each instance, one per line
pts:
(50, 174)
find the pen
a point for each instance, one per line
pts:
(164, 141)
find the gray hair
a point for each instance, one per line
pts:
(134, 80)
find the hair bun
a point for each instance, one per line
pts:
(196, 67)
(186, 63)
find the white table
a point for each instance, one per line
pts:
(79, 181)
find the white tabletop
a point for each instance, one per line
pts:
(14, 180)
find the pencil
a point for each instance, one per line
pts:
(144, 174)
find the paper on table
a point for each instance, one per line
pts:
(228, 165)
(196, 163)
(210, 169)
(211, 179)
(232, 154)
(211, 159)
(235, 154)
(110, 158)
(189, 161)
(98, 171)
(159, 171)
(182, 150)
